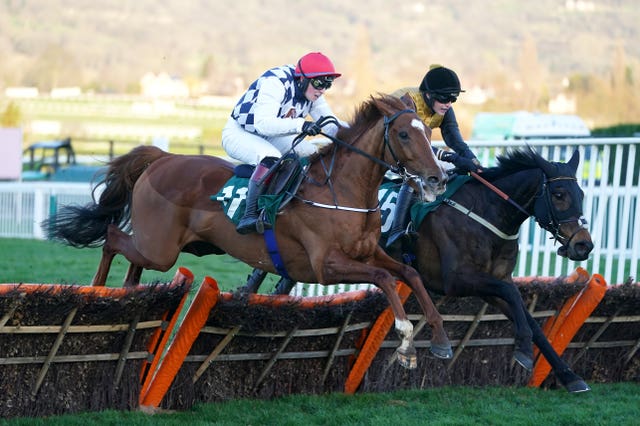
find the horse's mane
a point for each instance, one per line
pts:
(366, 115)
(513, 161)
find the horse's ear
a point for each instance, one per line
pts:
(381, 103)
(574, 161)
(545, 165)
(408, 101)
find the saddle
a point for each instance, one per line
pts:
(285, 177)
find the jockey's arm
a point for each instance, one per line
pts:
(267, 109)
(320, 108)
(452, 136)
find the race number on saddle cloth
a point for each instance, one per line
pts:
(388, 193)
(286, 179)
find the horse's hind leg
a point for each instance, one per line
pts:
(118, 242)
(109, 251)
(253, 281)
(100, 277)
(132, 279)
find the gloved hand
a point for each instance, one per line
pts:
(465, 165)
(467, 153)
(311, 128)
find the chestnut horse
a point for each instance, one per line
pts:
(457, 255)
(468, 246)
(328, 233)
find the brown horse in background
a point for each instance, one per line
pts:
(164, 199)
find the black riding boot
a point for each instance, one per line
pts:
(256, 188)
(401, 215)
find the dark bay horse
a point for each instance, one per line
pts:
(164, 200)
(459, 256)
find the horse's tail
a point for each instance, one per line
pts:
(87, 226)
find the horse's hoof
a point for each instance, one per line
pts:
(407, 358)
(408, 361)
(442, 352)
(577, 386)
(524, 360)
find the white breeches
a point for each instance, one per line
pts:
(250, 148)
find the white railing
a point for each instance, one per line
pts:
(608, 173)
(24, 205)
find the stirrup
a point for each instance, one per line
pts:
(262, 223)
(247, 225)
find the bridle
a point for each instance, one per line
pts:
(398, 168)
(543, 211)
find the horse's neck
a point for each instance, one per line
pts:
(522, 188)
(354, 177)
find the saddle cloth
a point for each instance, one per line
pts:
(388, 194)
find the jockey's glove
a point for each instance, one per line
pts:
(463, 164)
(467, 153)
(311, 128)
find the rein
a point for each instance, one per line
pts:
(387, 123)
(499, 192)
(398, 169)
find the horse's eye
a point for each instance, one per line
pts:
(558, 195)
(403, 135)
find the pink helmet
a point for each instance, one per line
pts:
(315, 64)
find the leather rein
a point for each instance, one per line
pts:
(328, 170)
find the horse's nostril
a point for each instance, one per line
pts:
(584, 247)
(433, 180)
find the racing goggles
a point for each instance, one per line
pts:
(445, 99)
(323, 82)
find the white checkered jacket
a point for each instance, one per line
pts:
(273, 105)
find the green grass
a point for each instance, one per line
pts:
(606, 404)
(37, 261)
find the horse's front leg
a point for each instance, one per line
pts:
(507, 298)
(338, 268)
(570, 380)
(440, 345)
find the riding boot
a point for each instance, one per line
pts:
(401, 215)
(256, 188)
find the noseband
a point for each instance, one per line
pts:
(398, 169)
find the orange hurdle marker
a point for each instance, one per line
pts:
(374, 340)
(194, 320)
(571, 317)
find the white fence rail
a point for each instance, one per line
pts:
(608, 172)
